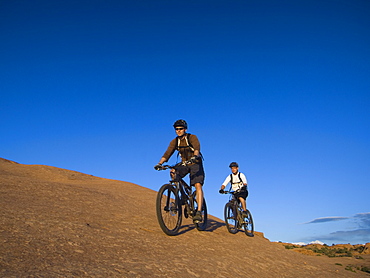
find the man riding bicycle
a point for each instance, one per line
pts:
(188, 147)
(239, 184)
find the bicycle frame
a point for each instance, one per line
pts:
(187, 196)
(181, 185)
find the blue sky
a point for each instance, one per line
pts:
(282, 88)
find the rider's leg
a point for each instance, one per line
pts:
(197, 179)
(244, 205)
(179, 173)
(199, 195)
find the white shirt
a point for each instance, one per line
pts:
(237, 183)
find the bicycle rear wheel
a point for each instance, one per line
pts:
(201, 226)
(248, 224)
(231, 218)
(168, 209)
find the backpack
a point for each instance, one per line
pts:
(187, 142)
(231, 178)
(188, 145)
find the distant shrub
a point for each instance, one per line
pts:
(365, 269)
(349, 268)
(329, 251)
(332, 252)
(359, 249)
(290, 246)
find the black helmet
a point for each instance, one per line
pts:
(233, 164)
(181, 123)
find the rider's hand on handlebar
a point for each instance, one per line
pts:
(194, 159)
(158, 167)
(221, 191)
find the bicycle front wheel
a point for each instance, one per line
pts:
(168, 209)
(248, 224)
(231, 218)
(201, 226)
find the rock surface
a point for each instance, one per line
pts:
(60, 223)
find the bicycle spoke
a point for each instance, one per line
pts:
(231, 218)
(201, 226)
(248, 225)
(168, 209)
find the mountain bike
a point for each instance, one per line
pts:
(234, 218)
(175, 199)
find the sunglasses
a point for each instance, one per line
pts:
(179, 128)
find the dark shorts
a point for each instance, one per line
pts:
(196, 172)
(242, 193)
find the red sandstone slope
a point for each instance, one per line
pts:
(61, 223)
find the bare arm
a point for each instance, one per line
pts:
(162, 160)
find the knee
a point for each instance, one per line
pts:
(198, 186)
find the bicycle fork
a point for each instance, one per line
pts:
(189, 206)
(238, 215)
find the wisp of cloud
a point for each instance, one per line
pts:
(327, 219)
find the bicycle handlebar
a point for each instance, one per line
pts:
(229, 192)
(165, 167)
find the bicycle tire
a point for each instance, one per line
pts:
(248, 224)
(201, 226)
(168, 209)
(230, 215)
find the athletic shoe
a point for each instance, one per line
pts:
(197, 217)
